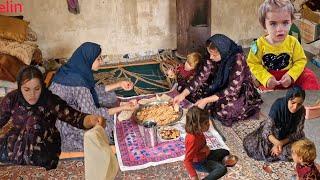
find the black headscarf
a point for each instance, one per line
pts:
(228, 50)
(284, 120)
(35, 73)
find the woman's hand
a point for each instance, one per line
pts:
(272, 83)
(178, 99)
(92, 120)
(286, 80)
(202, 103)
(277, 148)
(126, 85)
(131, 105)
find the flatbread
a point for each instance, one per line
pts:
(125, 115)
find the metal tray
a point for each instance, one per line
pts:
(140, 122)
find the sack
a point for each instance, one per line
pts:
(99, 160)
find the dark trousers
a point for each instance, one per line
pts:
(213, 164)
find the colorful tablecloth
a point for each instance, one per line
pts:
(132, 152)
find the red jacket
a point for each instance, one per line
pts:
(307, 171)
(195, 144)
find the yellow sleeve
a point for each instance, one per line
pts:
(254, 62)
(299, 61)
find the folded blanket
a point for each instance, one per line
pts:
(23, 51)
(9, 67)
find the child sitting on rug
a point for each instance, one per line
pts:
(184, 72)
(277, 60)
(303, 154)
(198, 155)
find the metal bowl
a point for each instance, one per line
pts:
(141, 107)
(230, 160)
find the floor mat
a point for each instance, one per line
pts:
(147, 79)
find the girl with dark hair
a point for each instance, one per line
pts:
(198, 155)
(272, 140)
(223, 83)
(74, 83)
(32, 110)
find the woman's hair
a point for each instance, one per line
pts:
(296, 91)
(305, 149)
(193, 59)
(210, 45)
(195, 117)
(272, 6)
(28, 73)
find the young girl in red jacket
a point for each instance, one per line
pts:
(198, 155)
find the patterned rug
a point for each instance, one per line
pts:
(67, 169)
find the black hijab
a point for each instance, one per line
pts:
(284, 120)
(28, 73)
(228, 50)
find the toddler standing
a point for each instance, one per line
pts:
(184, 72)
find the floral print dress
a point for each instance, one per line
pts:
(237, 101)
(81, 99)
(33, 138)
(258, 146)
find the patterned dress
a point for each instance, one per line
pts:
(258, 146)
(81, 99)
(238, 101)
(33, 138)
(183, 77)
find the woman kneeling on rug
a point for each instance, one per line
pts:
(29, 115)
(74, 83)
(273, 139)
(223, 83)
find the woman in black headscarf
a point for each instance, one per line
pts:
(223, 84)
(27, 121)
(272, 140)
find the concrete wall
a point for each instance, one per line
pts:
(120, 26)
(237, 19)
(124, 26)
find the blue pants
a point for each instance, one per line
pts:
(213, 164)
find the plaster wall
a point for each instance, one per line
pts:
(128, 26)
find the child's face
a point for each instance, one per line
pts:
(205, 126)
(187, 66)
(296, 158)
(214, 54)
(278, 24)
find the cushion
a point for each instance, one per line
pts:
(9, 67)
(22, 51)
(13, 28)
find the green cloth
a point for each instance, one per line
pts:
(146, 79)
